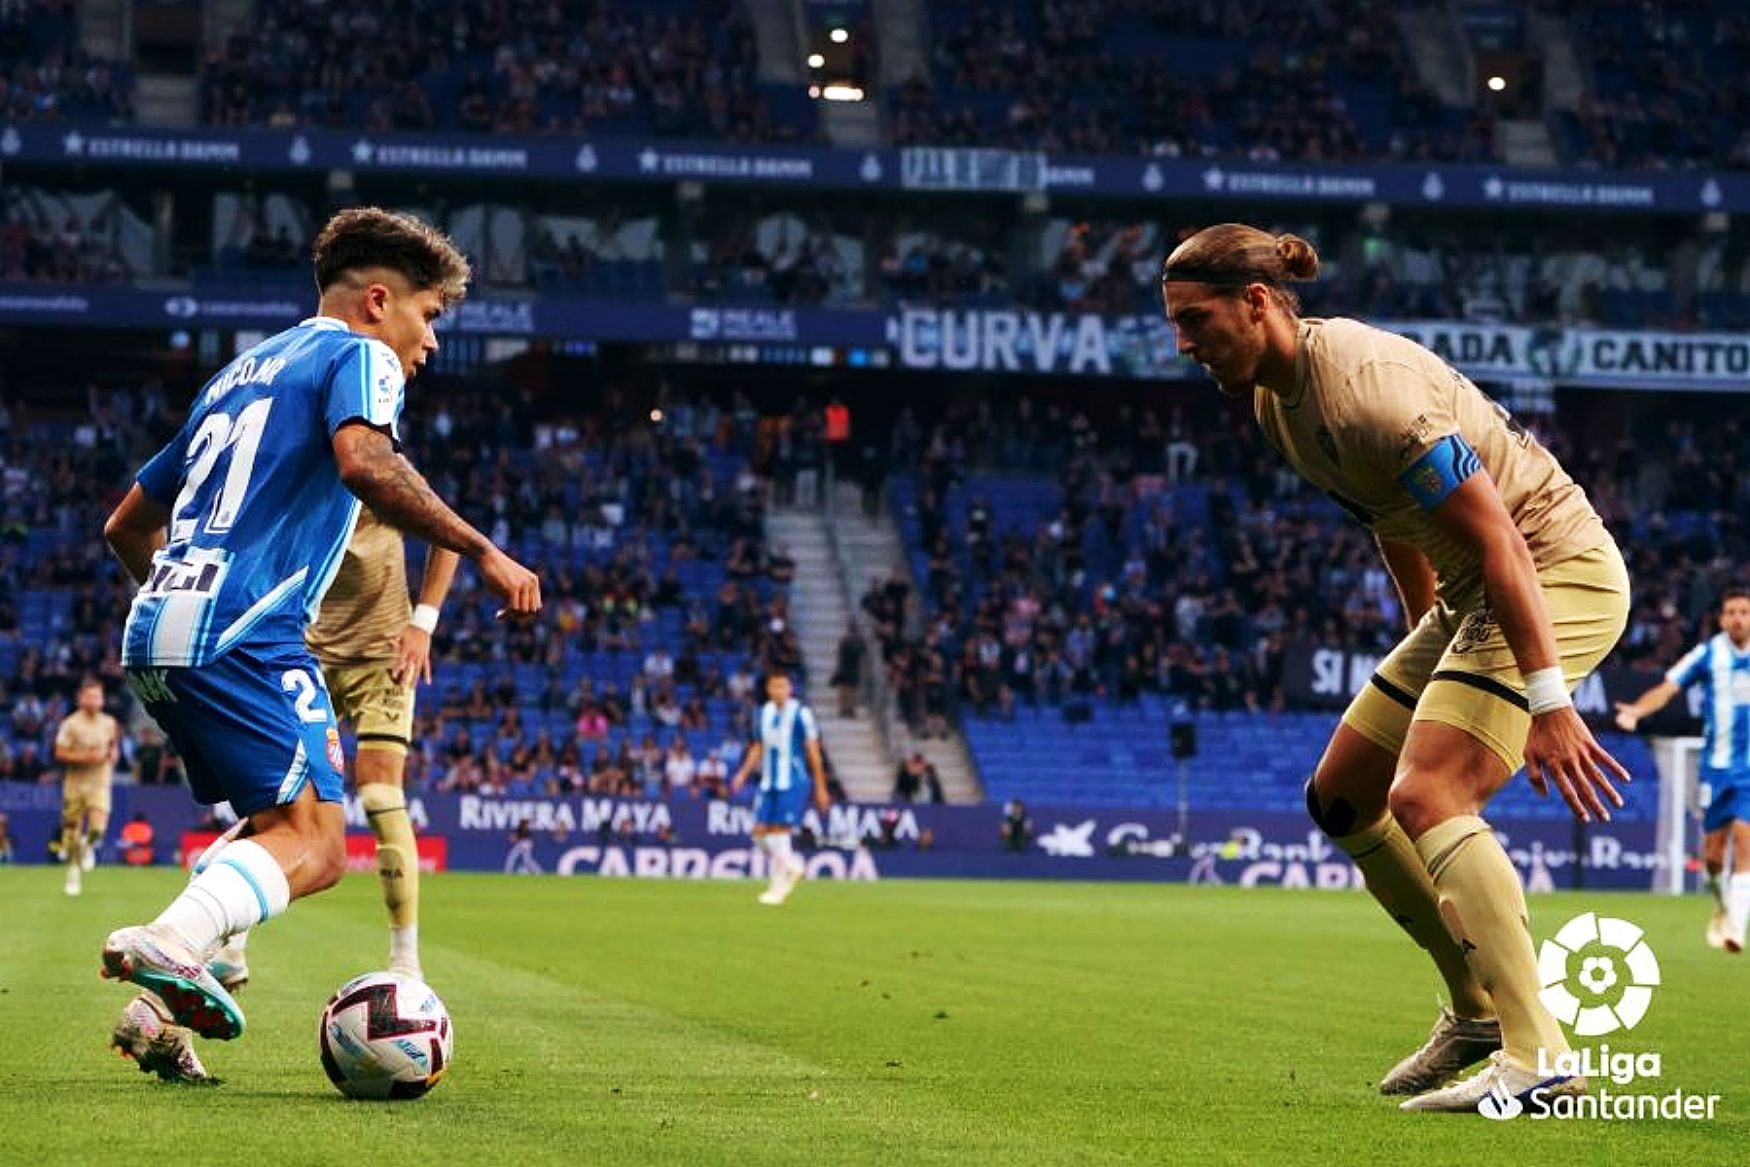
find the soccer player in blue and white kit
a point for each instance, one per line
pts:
(788, 737)
(233, 532)
(1721, 666)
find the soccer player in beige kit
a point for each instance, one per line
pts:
(1514, 591)
(85, 745)
(374, 653)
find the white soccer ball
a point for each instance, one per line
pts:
(384, 1035)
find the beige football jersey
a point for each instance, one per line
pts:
(1367, 404)
(79, 732)
(367, 606)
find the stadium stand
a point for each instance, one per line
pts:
(1668, 86)
(1256, 80)
(670, 68)
(1158, 573)
(46, 76)
(1131, 604)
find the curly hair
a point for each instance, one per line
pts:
(366, 237)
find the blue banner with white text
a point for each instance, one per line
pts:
(698, 839)
(936, 169)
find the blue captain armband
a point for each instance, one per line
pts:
(1440, 471)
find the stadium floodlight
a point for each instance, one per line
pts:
(1497, 83)
(816, 60)
(843, 92)
(839, 36)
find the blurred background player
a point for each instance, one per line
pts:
(86, 745)
(787, 737)
(234, 532)
(1514, 590)
(1721, 666)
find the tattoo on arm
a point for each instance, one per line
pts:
(400, 496)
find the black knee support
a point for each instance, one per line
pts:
(1336, 820)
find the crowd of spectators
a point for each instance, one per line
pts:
(808, 270)
(46, 76)
(1172, 78)
(1670, 85)
(1175, 555)
(71, 252)
(1125, 585)
(498, 66)
(650, 543)
(1665, 87)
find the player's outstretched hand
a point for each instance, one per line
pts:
(510, 581)
(1626, 717)
(412, 657)
(822, 801)
(1562, 752)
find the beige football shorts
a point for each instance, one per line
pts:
(379, 710)
(83, 794)
(1455, 666)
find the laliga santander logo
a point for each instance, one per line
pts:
(1598, 975)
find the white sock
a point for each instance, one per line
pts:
(404, 945)
(778, 847)
(239, 890)
(1738, 904)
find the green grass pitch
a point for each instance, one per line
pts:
(602, 1021)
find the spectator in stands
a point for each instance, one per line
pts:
(29, 765)
(847, 674)
(1016, 829)
(917, 780)
(137, 839)
(680, 769)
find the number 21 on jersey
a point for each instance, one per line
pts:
(220, 438)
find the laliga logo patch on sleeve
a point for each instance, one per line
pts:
(1414, 437)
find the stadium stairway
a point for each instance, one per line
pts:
(1439, 50)
(852, 125)
(776, 31)
(902, 53)
(819, 608)
(103, 29)
(1525, 142)
(1564, 81)
(871, 550)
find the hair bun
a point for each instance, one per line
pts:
(1299, 260)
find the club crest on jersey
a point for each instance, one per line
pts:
(336, 755)
(1476, 628)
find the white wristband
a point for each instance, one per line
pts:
(424, 618)
(1546, 690)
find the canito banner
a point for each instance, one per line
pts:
(1599, 358)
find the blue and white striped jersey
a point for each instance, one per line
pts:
(785, 731)
(259, 517)
(1723, 672)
